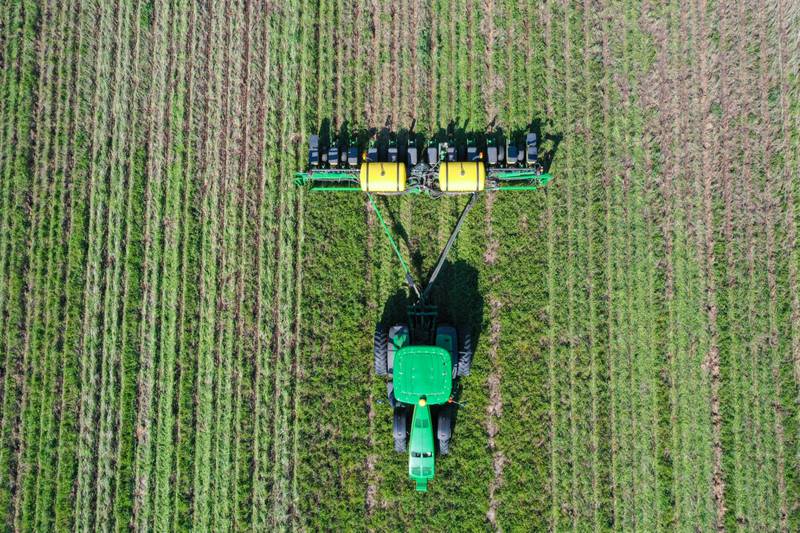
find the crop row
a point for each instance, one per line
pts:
(186, 337)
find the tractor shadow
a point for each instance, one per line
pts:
(461, 134)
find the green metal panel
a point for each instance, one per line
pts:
(422, 372)
(420, 450)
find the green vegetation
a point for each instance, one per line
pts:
(185, 337)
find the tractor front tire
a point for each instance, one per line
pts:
(465, 353)
(381, 349)
(400, 430)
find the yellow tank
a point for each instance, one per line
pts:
(383, 177)
(462, 176)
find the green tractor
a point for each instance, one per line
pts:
(422, 390)
(423, 359)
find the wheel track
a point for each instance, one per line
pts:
(574, 506)
(73, 302)
(596, 502)
(661, 94)
(153, 238)
(609, 288)
(184, 422)
(551, 286)
(208, 275)
(712, 361)
(790, 248)
(743, 446)
(373, 118)
(264, 250)
(113, 273)
(47, 452)
(41, 234)
(768, 205)
(169, 304)
(131, 296)
(283, 386)
(39, 245)
(223, 349)
(20, 207)
(242, 318)
(731, 102)
(90, 349)
(494, 408)
(297, 353)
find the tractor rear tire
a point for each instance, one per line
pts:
(444, 447)
(381, 350)
(465, 353)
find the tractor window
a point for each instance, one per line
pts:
(427, 454)
(416, 454)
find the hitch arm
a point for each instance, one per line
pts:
(449, 245)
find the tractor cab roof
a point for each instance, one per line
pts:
(422, 372)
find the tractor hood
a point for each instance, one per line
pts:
(422, 372)
(420, 451)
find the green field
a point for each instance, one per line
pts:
(186, 338)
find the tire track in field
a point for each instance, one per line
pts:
(34, 356)
(649, 367)
(6, 125)
(264, 280)
(494, 408)
(712, 361)
(153, 238)
(590, 108)
(184, 365)
(551, 283)
(21, 205)
(170, 305)
(433, 85)
(694, 501)
(731, 103)
(281, 345)
(682, 286)
(297, 352)
(744, 447)
(374, 105)
(209, 230)
(790, 246)
(132, 292)
(74, 234)
(91, 350)
(7, 114)
(242, 317)
(571, 245)
(451, 94)
(395, 93)
(113, 273)
(340, 44)
(754, 423)
(609, 269)
(225, 268)
(768, 208)
(49, 416)
(661, 93)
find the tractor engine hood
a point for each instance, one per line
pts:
(420, 451)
